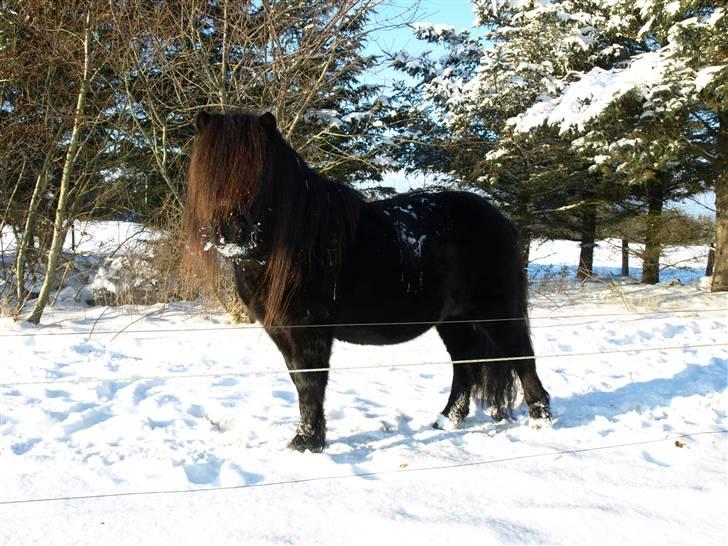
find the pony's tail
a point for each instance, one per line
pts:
(496, 384)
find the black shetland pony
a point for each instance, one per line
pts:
(307, 251)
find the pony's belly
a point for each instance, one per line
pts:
(379, 335)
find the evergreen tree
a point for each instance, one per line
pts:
(464, 102)
(647, 119)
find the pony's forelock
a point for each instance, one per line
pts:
(225, 167)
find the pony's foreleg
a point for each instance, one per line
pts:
(311, 431)
(458, 403)
(307, 352)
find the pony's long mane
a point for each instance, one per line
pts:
(236, 161)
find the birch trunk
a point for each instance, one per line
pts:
(26, 239)
(60, 226)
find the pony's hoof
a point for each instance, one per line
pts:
(303, 442)
(539, 415)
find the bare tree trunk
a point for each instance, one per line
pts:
(60, 226)
(223, 58)
(653, 245)
(588, 237)
(26, 240)
(711, 261)
(720, 269)
(625, 258)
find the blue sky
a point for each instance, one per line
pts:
(456, 13)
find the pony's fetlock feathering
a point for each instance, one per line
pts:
(314, 261)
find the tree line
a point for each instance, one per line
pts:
(577, 114)
(98, 101)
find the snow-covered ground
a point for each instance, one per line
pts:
(168, 425)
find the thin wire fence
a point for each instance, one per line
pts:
(393, 365)
(375, 473)
(410, 366)
(337, 369)
(126, 330)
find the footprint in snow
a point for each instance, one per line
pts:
(286, 396)
(166, 399)
(159, 423)
(76, 408)
(21, 448)
(141, 392)
(88, 419)
(108, 389)
(57, 394)
(196, 410)
(205, 472)
(226, 382)
(86, 348)
(247, 477)
(671, 330)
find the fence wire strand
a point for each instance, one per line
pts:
(393, 365)
(409, 365)
(125, 330)
(376, 473)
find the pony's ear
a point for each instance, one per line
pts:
(201, 120)
(268, 121)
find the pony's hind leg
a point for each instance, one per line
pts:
(461, 343)
(512, 338)
(537, 398)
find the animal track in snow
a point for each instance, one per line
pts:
(21, 448)
(205, 472)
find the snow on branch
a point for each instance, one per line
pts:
(433, 32)
(585, 100)
(706, 75)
